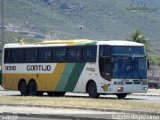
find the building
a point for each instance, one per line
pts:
(154, 77)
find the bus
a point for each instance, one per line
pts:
(116, 67)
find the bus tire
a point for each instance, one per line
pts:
(23, 88)
(32, 88)
(121, 96)
(92, 90)
(58, 94)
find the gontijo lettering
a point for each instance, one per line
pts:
(38, 67)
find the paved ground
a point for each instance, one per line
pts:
(32, 118)
(53, 113)
(37, 113)
(152, 96)
(151, 92)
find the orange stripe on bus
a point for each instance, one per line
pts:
(57, 75)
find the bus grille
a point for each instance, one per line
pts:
(137, 81)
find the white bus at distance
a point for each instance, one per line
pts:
(83, 66)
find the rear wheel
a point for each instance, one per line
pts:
(23, 88)
(92, 90)
(121, 96)
(32, 88)
(59, 93)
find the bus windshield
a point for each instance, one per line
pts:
(126, 61)
(127, 50)
(129, 67)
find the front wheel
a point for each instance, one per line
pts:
(121, 96)
(92, 90)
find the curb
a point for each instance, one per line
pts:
(92, 109)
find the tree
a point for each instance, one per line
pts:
(138, 36)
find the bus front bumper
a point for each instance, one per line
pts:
(128, 89)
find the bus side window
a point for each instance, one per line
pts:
(17, 55)
(31, 55)
(104, 51)
(89, 54)
(59, 55)
(48, 55)
(74, 54)
(7, 55)
(44, 55)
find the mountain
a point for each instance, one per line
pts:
(91, 19)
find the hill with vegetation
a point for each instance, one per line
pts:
(34, 20)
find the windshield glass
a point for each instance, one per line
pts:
(127, 50)
(129, 67)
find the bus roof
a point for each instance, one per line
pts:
(73, 43)
(119, 43)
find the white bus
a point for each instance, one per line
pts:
(83, 66)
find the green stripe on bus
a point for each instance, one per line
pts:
(74, 77)
(65, 77)
(92, 43)
(88, 44)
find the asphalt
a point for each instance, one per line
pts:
(54, 112)
(61, 112)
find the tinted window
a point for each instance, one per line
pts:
(30, 55)
(104, 51)
(74, 54)
(128, 50)
(45, 55)
(14, 55)
(89, 54)
(17, 55)
(59, 54)
(7, 56)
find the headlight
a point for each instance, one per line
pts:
(145, 88)
(120, 89)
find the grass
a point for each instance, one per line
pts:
(81, 102)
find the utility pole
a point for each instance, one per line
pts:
(2, 33)
(2, 26)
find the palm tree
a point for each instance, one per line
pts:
(139, 37)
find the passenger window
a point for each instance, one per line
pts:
(45, 55)
(30, 55)
(89, 54)
(7, 56)
(59, 55)
(17, 55)
(74, 54)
